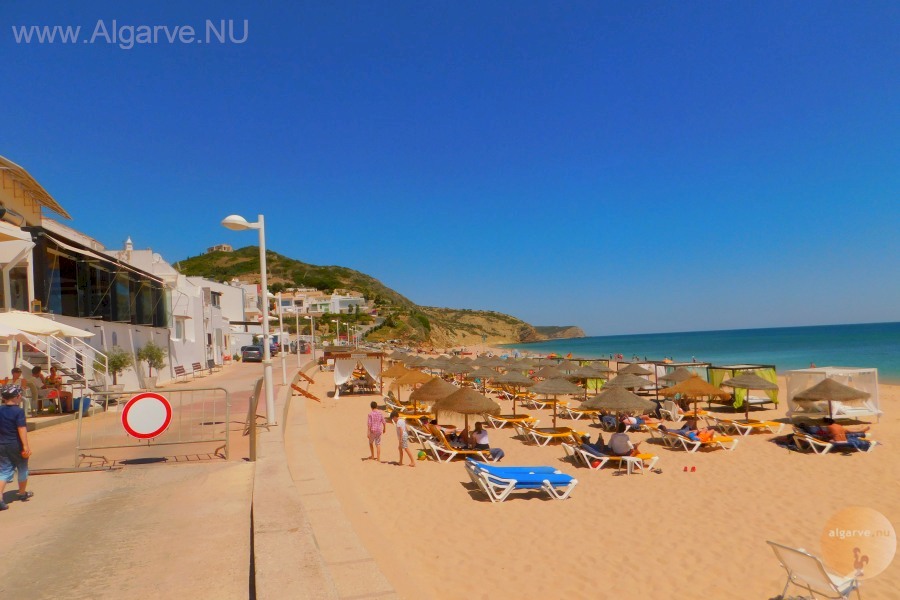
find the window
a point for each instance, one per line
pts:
(179, 329)
(215, 299)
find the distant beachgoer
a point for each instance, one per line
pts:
(375, 427)
(693, 359)
(402, 438)
(812, 365)
(14, 448)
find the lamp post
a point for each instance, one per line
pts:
(297, 318)
(239, 223)
(312, 333)
(337, 328)
(281, 341)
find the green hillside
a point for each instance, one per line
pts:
(286, 272)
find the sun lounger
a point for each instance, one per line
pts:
(577, 413)
(418, 435)
(671, 411)
(443, 451)
(544, 437)
(596, 461)
(499, 482)
(676, 440)
(809, 573)
(805, 441)
(501, 421)
(746, 426)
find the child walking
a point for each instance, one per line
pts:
(402, 438)
(375, 426)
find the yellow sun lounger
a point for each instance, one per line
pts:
(676, 440)
(747, 426)
(597, 461)
(501, 421)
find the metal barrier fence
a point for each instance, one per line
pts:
(198, 416)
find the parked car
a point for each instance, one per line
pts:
(251, 353)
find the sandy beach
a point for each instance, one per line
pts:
(667, 535)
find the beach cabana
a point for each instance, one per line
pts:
(345, 363)
(746, 382)
(864, 379)
(717, 374)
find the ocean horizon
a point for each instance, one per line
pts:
(856, 345)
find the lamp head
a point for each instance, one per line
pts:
(238, 223)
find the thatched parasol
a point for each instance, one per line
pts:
(618, 399)
(550, 373)
(597, 366)
(749, 381)
(482, 373)
(554, 388)
(635, 369)
(829, 390)
(628, 381)
(585, 373)
(678, 375)
(567, 366)
(396, 371)
(465, 401)
(413, 361)
(695, 389)
(412, 378)
(515, 379)
(432, 391)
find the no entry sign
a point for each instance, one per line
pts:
(147, 415)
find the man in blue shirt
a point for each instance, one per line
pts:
(14, 448)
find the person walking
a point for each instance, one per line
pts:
(402, 438)
(14, 448)
(375, 426)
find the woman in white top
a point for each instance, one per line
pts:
(480, 437)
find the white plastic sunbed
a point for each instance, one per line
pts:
(597, 461)
(807, 572)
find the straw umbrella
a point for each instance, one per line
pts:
(829, 390)
(749, 381)
(635, 369)
(567, 366)
(618, 399)
(395, 372)
(695, 389)
(465, 401)
(514, 378)
(432, 391)
(484, 374)
(550, 373)
(585, 373)
(628, 381)
(411, 379)
(678, 375)
(554, 388)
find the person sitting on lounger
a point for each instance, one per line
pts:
(846, 435)
(597, 447)
(480, 440)
(621, 445)
(638, 421)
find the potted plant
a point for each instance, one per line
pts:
(155, 357)
(117, 360)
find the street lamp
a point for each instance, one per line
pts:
(337, 328)
(312, 333)
(239, 223)
(281, 342)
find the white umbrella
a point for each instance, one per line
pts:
(35, 325)
(11, 333)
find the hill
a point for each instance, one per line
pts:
(403, 319)
(284, 272)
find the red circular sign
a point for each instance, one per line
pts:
(147, 415)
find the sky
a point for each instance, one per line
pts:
(626, 167)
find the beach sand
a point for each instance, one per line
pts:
(671, 535)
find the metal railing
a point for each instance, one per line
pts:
(199, 416)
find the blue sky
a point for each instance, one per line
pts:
(623, 166)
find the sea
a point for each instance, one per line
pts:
(863, 345)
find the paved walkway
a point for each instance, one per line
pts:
(183, 528)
